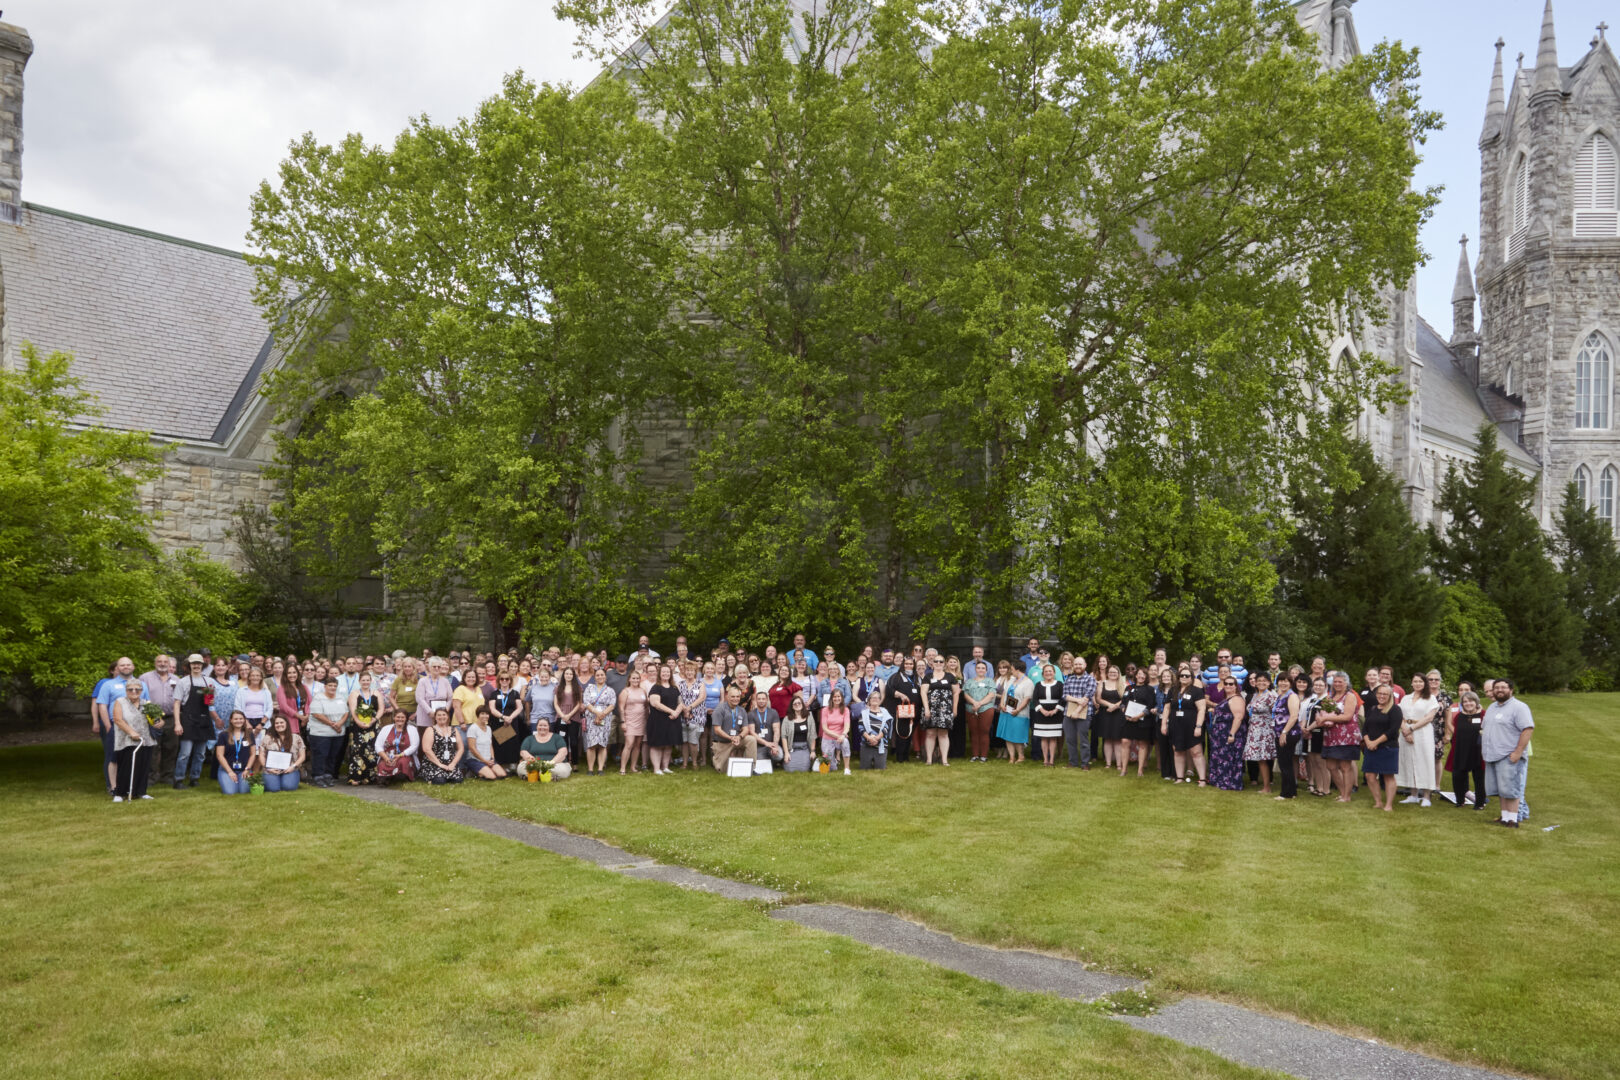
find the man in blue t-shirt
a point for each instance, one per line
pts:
(799, 652)
(1032, 658)
(886, 667)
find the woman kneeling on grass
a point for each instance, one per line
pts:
(442, 750)
(237, 755)
(543, 746)
(835, 731)
(396, 749)
(280, 738)
(480, 760)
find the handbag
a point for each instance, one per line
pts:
(505, 733)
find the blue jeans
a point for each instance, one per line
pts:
(281, 782)
(190, 758)
(234, 787)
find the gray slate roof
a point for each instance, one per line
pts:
(163, 331)
(1453, 406)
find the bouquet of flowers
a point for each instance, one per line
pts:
(153, 713)
(366, 712)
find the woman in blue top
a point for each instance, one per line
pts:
(237, 754)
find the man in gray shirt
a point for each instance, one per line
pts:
(1504, 738)
(731, 736)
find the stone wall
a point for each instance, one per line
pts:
(15, 48)
(1537, 309)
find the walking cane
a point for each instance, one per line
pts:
(129, 795)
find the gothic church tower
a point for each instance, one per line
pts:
(1548, 273)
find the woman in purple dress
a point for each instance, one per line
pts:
(1227, 735)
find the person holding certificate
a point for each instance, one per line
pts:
(1141, 710)
(283, 751)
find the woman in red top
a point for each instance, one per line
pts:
(1341, 744)
(292, 700)
(784, 690)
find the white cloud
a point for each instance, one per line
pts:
(167, 114)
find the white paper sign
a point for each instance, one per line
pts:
(762, 767)
(279, 760)
(438, 704)
(739, 766)
(1135, 709)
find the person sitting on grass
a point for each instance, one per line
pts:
(442, 750)
(835, 731)
(279, 736)
(237, 755)
(546, 746)
(396, 749)
(480, 759)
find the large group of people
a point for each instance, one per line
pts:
(275, 721)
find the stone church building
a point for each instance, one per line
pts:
(164, 331)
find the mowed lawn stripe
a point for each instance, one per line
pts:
(1429, 928)
(311, 935)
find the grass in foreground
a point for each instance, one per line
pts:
(312, 935)
(1431, 930)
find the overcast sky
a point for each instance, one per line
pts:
(166, 114)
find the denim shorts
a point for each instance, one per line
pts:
(1504, 779)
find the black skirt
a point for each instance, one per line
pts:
(663, 729)
(1182, 738)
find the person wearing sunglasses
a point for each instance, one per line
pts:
(1182, 722)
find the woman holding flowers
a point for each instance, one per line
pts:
(365, 705)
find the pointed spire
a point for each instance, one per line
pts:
(1464, 289)
(1463, 338)
(1496, 104)
(1547, 76)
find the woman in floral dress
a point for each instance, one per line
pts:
(441, 751)
(694, 714)
(1261, 744)
(1227, 737)
(365, 706)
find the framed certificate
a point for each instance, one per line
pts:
(739, 766)
(279, 760)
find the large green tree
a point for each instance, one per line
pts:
(1357, 567)
(487, 298)
(81, 581)
(1585, 545)
(1019, 306)
(1492, 539)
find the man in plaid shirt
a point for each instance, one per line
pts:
(1079, 691)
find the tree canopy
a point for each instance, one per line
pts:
(948, 313)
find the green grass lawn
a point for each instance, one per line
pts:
(1427, 928)
(313, 935)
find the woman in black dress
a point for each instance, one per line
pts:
(902, 698)
(1380, 758)
(1110, 714)
(506, 707)
(1183, 723)
(1138, 731)
(1046, 714)
(664, 731)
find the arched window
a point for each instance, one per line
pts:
(1597, 213)
(1507, 379)
(1594, 383)
(1583, 485)
(1518, 206)
(1608, 481)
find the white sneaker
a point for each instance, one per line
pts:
(118, 798)
(846, 771)
(1425, 802)
(146, 796)
(1409, 799)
